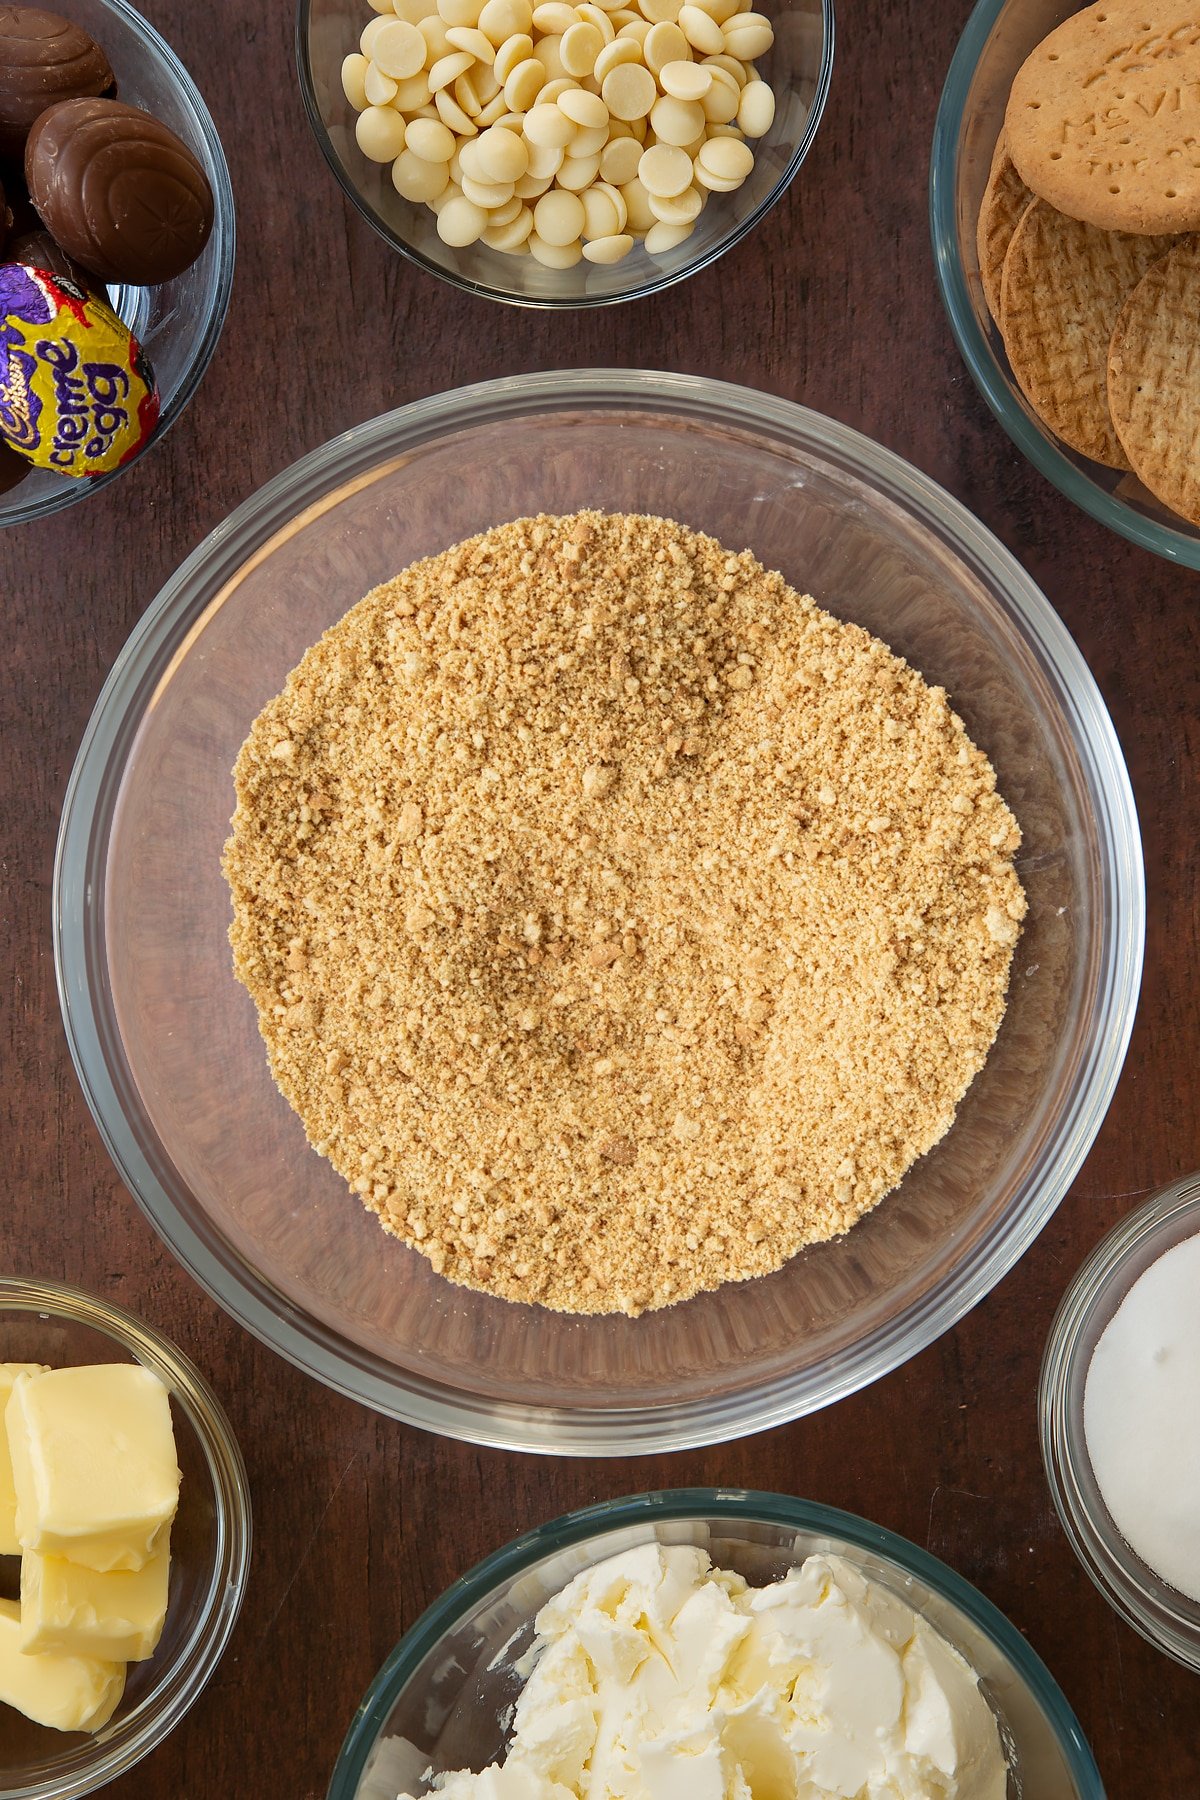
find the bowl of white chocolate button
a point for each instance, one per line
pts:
(553, 154)
(124, 1539)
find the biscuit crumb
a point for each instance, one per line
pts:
(649, 922)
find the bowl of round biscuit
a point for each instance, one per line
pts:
(562, 1054)
(1067, 261)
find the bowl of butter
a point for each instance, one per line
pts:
(124, 1539)
(713, 1641)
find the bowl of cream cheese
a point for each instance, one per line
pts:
(712, 1642)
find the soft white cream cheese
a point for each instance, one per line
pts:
(658, 1677)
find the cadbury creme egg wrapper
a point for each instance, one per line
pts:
(77, 394)
(118, 190)
(44, 58)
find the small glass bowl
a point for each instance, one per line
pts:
(178, 322)
(43, 1321)
(445, 1693)
(999, 36)
(1164, 1617)
(798, 67)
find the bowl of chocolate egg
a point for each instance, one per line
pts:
(726, 1632)
(1117, 1402)
(116, 248)
(125, 1535)
(1077, 355)
(168, 1047)
(557, 155)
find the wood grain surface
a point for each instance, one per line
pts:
(832, 301)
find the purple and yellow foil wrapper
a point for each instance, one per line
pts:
(77, 393)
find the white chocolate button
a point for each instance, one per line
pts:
(495, 110)
(513, 233)
(452, 114)
(436, 33)
(502, 155)
(679, 209)
(554, 256)
(701, 32)
(595, 15)
(586, 110)
(685, 80)
(663, 44)
(619, 162)
(430, 140)
(578, 172)
(720, 10)
(472, 40)
(628, 90)
(461, 222)
(399, 50)
(731, 65)
(661, 11)
(380, 133)
(548, 52)
(487, 194)
(524, 84)
(664, 171)
(502, 19)
(411, 11)
(621, 50)
(723, 98)
(548, 128)
(412, 94)
(756, 109)
(514, 50)
(371, 31)
(726, 159)
(601, 216)
(447, 69)
(662, 237)
(354, 75)
(676, 121)
(460, 12)
(580, 47)
(638, 216)
(588, 142)
(503, 215)
(552, 91)
(545, 160)
(466, 92)
(748, 35)
(559, 218)
(416, 179)
(554, 17)
(608, 249)
(607, 190)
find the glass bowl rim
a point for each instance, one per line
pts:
(1047, 458)
(747, 1505)
(1112, 1566)
(314, 484)
(197, 1659)
(566, 302)
(225, 221)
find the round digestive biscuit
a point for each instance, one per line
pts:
(1103, 120)
(1005, 199)
(1063, 288)
(1154, 378)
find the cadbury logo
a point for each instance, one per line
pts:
(87, 397)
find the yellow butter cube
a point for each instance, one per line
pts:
(68, 1693)
(94, 1467)
(117, 1617)
(8, 1497)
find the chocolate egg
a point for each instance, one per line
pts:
(118, 190)
(44, 58)
(77, 393)
(39, 250)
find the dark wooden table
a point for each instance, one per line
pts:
(360, 1522)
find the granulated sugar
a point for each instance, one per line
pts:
(618, 921)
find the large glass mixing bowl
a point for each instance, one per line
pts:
(166, 1044)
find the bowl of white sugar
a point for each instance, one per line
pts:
(1118, 1418)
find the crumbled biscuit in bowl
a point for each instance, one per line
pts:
(619, 922)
